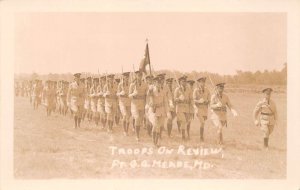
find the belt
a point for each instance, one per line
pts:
(203, 104)
(184, 102)
(158, 105)
(139, 97)
(262, 113)
(111, 97)
(220, 109)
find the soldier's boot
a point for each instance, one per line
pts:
(188, 131)
(220, 138)
(169, 126)
(75, 122)
(127, 127)
(124, 127)
(183, 134)
(133, 125)
(154, 137)
(178, 126)
(137, 131)
(78, 122)
(201, 134)
(149, 129)
(266, 143)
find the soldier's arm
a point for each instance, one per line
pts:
(256, 111)
(176, 95)
(195, 95)
(228, 103)
(213, 101)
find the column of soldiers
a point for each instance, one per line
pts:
(147, 102)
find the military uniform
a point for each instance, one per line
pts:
(137, 93)
(124, 102)
(201, 97)
(157, 109)
(265, 116)
(36, 94)
(101, 101)
(49, 96)
(219, 104)
(109, 93)
(75, 99)
(93, 96)
(170, 104)
(183, 98)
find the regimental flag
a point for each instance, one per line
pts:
(145, 61)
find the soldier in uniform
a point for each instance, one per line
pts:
(149, 82)
(170, 108)
(157, 109)
(63, 97)
(137, 93)
(75, 99)
(87, 102)
(36, 94)
(124, 101)
(118, 113)
(48, 96)
(201, 97)
(265, 115)
(219, 104)
(182, 98)
(101, 101)
(109, 93)
(94, 100)
(191, 109)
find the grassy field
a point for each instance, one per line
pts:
(49, 147)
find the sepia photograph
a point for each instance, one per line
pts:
(150, 95)
(129, 98)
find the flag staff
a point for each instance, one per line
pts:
(147, 49)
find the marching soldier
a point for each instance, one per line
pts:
(36, 93)
(124, 101)
(191, 109)
(157, 111)
(118, 113)
(101, 102)
(265, 115)
(93, 101)
(87, 99)
(170, 109)
(201, 97)
(109, 93)
(182, 98)
(75, 99)
(63, 97)
(219, 104)
(49, 96)
(149, 82)
(137, 93)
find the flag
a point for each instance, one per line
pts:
(145, 61)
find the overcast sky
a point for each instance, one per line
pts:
(85, 42)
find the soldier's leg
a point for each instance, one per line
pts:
(220, 134)
(201, 131)
(137, 121)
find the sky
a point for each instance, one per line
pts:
(57, 42)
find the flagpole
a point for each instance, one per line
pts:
(147, 47)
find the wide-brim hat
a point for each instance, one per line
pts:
(77, 75)
(267, 90)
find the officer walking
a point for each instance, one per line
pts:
(265, 115)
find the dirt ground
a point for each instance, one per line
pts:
(49, 147)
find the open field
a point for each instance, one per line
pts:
(49, 147)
